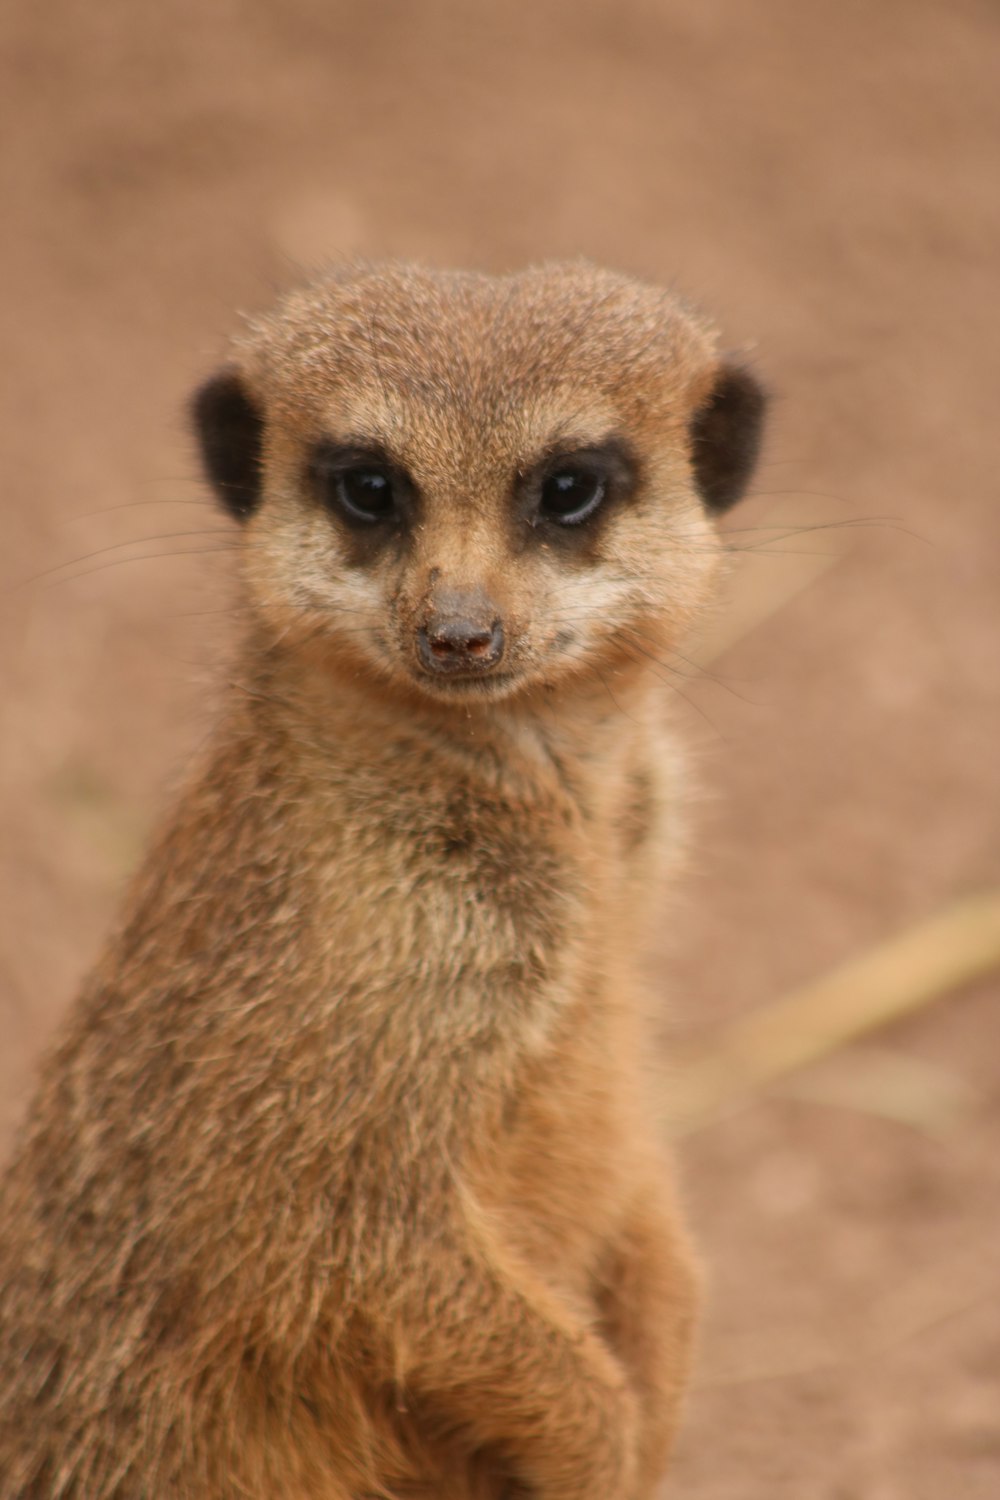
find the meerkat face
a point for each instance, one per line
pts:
(478, 485)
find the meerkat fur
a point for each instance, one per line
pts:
(339, 1182)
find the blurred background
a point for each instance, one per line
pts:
(821, 177)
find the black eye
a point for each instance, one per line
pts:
(366, 493)
(570, 495)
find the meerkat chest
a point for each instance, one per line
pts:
(448, 896)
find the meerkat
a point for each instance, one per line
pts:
(339, 1182)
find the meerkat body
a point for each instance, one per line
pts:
(340, 1183)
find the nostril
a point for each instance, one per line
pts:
(458, 636)
(451, 644)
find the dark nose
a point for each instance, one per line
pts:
(454, 643)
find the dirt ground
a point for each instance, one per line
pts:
(823, 177)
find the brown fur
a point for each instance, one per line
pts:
(339, 1183)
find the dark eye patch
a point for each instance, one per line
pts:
(569, 489)
(361, 485)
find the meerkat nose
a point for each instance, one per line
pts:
(466, 635)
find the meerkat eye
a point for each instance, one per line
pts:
(571, 494)
(361, 487)
(366, 493)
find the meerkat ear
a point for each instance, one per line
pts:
(229, 426)
(725, 437)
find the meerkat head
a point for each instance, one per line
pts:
(479, 485)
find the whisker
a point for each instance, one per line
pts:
(597, 671)
(667, 682)
(110, 510)
(51, 583)
(141, 541)
(694, 675)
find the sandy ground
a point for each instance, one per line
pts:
(823, 177)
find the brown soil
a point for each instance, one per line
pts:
(823, 177)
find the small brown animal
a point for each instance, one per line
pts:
(339, 1183)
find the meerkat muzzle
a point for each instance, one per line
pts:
(452, 644)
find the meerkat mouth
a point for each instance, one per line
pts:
(468, 684)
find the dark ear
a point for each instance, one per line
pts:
(725, 437)
(229, 426)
